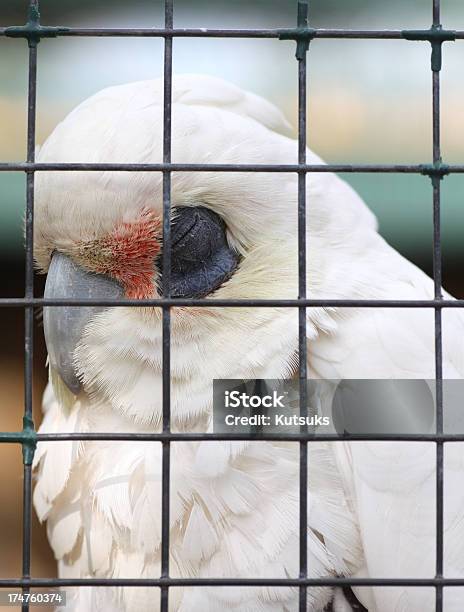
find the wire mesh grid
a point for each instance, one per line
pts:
(302, 34)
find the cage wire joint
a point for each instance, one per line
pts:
(436, 36)
(27, 437)
(436, 172)
(28, 440)
(32, 30)
(302, 36)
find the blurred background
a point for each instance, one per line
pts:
(369, 101)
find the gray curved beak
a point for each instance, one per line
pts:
(64, 325)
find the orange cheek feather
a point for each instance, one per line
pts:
(127, 254)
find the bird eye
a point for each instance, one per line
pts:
(201, 259)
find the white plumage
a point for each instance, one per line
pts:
(234, 506)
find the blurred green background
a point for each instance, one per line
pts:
(369, 101)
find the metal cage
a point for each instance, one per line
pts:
(33, 31)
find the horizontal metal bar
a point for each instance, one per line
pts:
(232, 303)
(198, 437)
(21, 438)
(18, 437)
(175, 167)
(436, 34)
(11, 583)
(229, 33)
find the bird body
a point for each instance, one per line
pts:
(234, 505)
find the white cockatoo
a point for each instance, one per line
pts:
(234, 506)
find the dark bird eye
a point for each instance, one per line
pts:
(201, 259)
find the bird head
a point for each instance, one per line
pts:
(98, 234)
